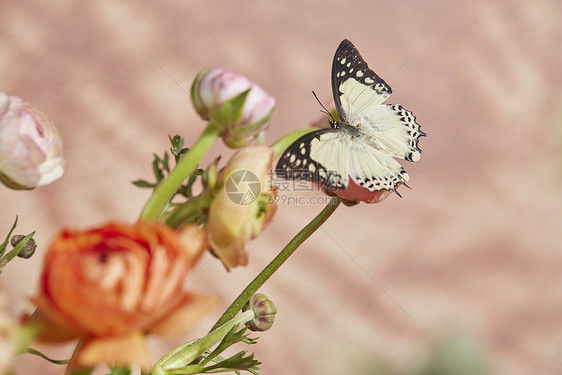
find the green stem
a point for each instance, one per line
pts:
(39, 354)
(186, 353)
(4, 244)
(188, 210)
(274, 265)
(282, 143)
(161, 196)
(75, 369)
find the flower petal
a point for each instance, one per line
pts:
(233, 224)
(187, 309)
(356, 193)
(124, 350)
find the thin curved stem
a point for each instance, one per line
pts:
(274, 265)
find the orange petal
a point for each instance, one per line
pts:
(194, 241)
(188, 310)
(125, 350)
(50, 330)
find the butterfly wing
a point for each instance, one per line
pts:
(373, 169)
(394, 131)
(357, 89)
(320, 156)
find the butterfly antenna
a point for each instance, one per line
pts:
(322, 105)
(396, 191)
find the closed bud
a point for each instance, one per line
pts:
(242, 207)
(265, 311)
(29, 248)
(30, 146)
(238, 106)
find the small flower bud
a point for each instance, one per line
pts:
(265, 312)
(30, 146)
(240, 107)
(29, 248)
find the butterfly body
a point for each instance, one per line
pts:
(362, 145)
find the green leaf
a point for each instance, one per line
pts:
(166, 162)
(15, 251)
(238, 361)
(177, 148)
(228, 340)
(229, 112)
(7, 240)
(158, 173)
(144, 184)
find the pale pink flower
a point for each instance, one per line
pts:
(214, 96)
(30, 146)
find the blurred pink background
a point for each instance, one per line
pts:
(473, 247)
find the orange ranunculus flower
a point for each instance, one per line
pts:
(111, 285)
(243, 206)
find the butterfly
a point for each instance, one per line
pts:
(363, 143)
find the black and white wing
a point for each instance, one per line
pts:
(374, 169)
(320, 156)
(357, 89)
(394, 131)
(359, 93)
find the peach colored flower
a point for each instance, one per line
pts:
(243, 205)
(111, 285)
(30, 146)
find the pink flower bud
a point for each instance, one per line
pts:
(235, 103)
(30, 146)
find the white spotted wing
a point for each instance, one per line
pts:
(363, 144)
